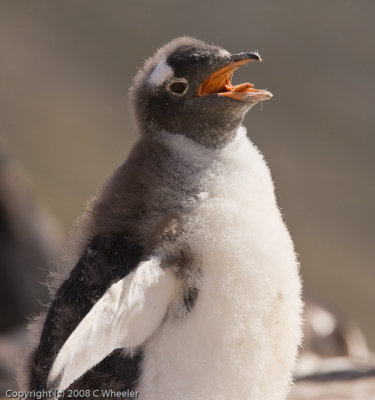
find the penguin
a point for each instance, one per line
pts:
(184, 282)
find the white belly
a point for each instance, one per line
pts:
(240, 339)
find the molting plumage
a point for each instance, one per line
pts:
(186, 284)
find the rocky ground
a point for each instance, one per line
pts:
(342, 383)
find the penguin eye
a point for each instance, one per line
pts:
(178, 87)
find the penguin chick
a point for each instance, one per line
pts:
(187, 283)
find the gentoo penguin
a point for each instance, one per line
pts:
(186, 283)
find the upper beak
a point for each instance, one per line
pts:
(219, 82)
(251, 56)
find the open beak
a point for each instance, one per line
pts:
(219, 82)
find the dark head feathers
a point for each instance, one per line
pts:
(166, 93)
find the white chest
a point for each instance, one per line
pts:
(240, 339)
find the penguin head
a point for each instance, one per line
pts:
(185, 88)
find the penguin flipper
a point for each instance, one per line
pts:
(125, 316)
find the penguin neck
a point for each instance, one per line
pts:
(204, 134)
(192, 149)
(187, 148)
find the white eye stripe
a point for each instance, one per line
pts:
(161, 72)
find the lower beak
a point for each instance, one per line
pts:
(219, 82)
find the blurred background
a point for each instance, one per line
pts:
(65, 126)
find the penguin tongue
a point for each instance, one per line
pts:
(219, 83)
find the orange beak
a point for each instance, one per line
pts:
(219, 83)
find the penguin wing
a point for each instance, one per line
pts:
(125, 316)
